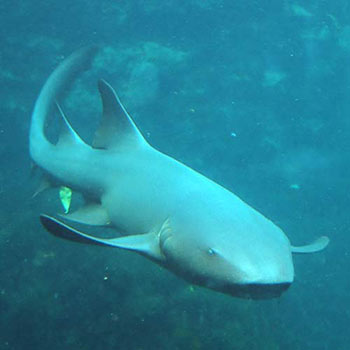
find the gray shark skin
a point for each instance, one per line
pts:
(160, 208)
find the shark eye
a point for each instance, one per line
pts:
(211, 252)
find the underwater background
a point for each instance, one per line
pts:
(253, 94)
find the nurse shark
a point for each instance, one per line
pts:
(160, 208)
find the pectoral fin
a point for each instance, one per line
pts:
(313, 247)
(146, 244)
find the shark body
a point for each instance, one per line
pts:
(161, 208)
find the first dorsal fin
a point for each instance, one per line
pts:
(117, 129)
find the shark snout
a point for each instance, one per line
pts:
(261, 277)
(260, 290)
(248, 278)
(268, 272)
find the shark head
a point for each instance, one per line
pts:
(231, 264)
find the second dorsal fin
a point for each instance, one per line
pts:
(68, 136)
(117, 129)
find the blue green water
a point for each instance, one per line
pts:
(255, 95)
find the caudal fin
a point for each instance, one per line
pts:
(54, 87)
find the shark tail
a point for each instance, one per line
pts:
(53, 89)
(70, 159)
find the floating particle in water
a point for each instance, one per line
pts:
(114, 317)
(300, 11)
(272, 78)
